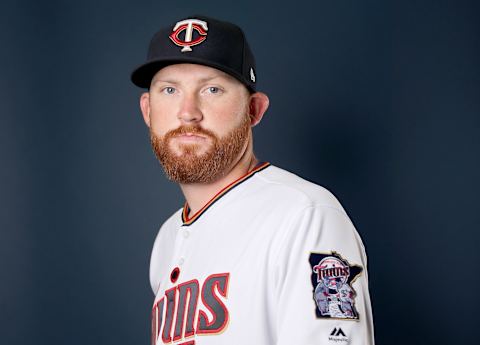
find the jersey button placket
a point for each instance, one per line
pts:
(184, 234)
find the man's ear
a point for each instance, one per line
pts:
(258, 106)
(145, 107)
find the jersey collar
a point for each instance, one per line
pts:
(190, 220)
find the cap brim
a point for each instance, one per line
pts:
(142, 76)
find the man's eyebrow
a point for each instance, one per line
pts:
(168, 81)
(203, 80)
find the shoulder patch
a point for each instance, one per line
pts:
(332, 277)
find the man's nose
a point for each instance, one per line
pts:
(189, 111)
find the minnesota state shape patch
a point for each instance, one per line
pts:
(332, 277)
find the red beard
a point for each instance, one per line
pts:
(192, 167)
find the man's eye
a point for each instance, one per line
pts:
(213, 89)
(169, 90)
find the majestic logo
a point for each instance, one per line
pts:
(189, 26)
(175, 316)
(332, 278)
(337, 332)
(337, 335)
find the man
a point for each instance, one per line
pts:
(257, 255)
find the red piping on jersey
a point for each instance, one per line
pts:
(187, 221)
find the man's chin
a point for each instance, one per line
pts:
(200, 162)
(188, 150)
(187, 156)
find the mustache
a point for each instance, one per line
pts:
(190, 129)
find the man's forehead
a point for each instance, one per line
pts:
(189, 71)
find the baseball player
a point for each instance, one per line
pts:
(257, 255)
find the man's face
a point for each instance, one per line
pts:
(199, 123)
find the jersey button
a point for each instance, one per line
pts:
(181, 261)
(186, 233)
(174, 275)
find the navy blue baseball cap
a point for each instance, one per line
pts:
(199, 40)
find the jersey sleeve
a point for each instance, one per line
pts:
(321, 282)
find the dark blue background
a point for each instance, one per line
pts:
(376, 100)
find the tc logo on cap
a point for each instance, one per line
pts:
(188, 25)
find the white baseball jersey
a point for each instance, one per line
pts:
(272, 259)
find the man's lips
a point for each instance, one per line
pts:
(190, 137)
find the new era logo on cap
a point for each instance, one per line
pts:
(252, 75)
(189, 25)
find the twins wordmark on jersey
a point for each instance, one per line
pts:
(176, 310)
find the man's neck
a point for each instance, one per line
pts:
(198, 194)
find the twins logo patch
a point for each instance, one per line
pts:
(332, 278)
